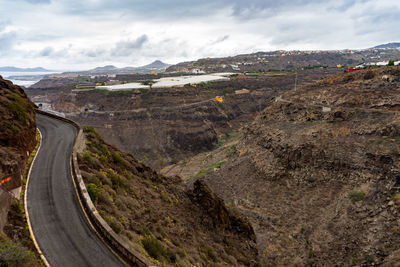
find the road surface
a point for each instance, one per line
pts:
(58, 223)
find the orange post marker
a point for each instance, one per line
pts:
(5, 180)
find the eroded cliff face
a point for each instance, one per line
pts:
(158, 216)
(17, 140)
(164, 125)
(318, 174)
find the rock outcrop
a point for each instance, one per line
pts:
(158, 216)
(165, 125)
(317, 173)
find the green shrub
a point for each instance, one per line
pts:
(228, 90)
(391, 63)
(356, 195)
(116, 226)
(156, 250)
(231, 150)
(14, 254)
(118, 159)
(93, 191)
(369, 75)
(311, 179)
(143, 90)
(211, 254)
(89, 129)
(87, 157)
(117, 180)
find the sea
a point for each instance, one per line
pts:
(25, 79)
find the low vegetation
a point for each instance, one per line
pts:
(356, 196)
(13, 253)
(159, 218)
(17, 137)
(210, 168)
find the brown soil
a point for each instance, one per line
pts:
(166, 125)
(158, 216)
(318, 175)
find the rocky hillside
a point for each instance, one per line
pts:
(17, 134)
(318, 175)
(164, 125)
(289, 60)
(158, 216)
(17, 140)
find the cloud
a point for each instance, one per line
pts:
(127, 32)
(50, 52)
(221, 39)
(7, 40)
(126, 48)
(38, 1)
(47, 51)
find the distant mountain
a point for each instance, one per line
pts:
(15, 69)
(105, 68)
(388, 45)
(156, 66)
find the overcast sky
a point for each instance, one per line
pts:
(81, 34)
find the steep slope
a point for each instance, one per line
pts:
(156, 214)
(17, 140)
(164, 125)
(17, 135)
(318, 175)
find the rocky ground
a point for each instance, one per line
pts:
(165, 125)
(158, 216)
(318, 175)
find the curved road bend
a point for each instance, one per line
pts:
(57, 220)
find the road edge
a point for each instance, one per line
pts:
(98, 224)
(46, 263)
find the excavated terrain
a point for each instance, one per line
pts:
(317, 173)
(160, 218)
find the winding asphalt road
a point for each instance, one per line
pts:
(58, 223)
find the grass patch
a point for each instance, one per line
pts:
(356, 196)
(103, 91)
(223, 139)
(231, 150)
(210, 168)
(18, 107)
(10, 126)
